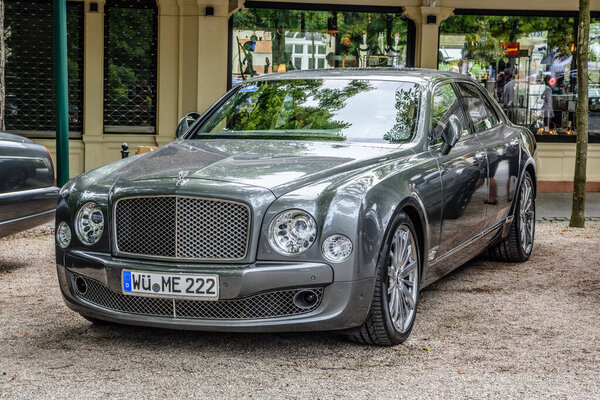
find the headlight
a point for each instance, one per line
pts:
(292, 232)
(63, 235)
(89, 223)
(336, 248)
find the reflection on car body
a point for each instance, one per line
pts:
(27, 191)
(314, 200)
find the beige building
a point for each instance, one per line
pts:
(137, 66)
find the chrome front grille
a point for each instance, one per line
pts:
(265, 305)
(182, 227)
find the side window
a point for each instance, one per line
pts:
(495, 120)
(445, 104)
(478, 111)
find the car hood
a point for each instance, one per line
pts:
(277, 165)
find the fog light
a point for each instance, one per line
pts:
(63, 235)
(336, 248)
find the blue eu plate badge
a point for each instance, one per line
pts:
(127, 281)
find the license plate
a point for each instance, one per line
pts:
(170, 285)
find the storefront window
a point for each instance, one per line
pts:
(528, 63)
(273, 40)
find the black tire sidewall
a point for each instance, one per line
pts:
(400, 219)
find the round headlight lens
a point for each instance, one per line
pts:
(63, 235)
(336, 248)
(292, 232)
(89, 223)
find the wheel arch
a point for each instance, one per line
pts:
(414, 209)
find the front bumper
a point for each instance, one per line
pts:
(342, 305)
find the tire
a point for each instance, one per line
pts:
(518, 244)
(381, 328)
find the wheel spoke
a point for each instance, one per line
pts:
(392, 304)
(397, 305)
(397, 249)
(408, 282)
(401, 313)
(408, 269)
(408, 297)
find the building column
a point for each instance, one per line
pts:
(93, 82)
(427, 33)
(167, 113)
(192, 59)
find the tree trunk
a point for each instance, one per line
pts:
(2, 64)
(583, 41)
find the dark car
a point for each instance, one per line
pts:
(27, 192)
(314, 200)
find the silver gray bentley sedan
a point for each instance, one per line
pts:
(313, 200)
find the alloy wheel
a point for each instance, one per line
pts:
(403, 279)
(527, 217)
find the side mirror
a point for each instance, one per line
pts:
(185, 123)
(451, 134)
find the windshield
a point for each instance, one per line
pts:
(318, 109)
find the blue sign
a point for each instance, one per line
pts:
(127, 281)
(248, 89)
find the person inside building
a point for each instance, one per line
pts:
(500, 82)
(547, 99)
(508, 93)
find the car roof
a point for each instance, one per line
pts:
(11, 137)
(420, 75)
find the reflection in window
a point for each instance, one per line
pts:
(130, 66)
(445, 105)
(475, 108)
(29, 70)
(270, 40)
(527, 63)
(336, 109)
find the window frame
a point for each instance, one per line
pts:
(485, 103)
(469, 128)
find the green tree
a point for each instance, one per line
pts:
(579, 180)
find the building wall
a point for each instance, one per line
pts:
(192, 74)
(193, 65)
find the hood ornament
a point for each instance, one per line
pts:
(181, 178)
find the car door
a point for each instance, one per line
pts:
(462, 173)
(501, 145)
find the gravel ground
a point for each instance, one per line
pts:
(487, 330)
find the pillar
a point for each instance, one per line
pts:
(93, 81)
(427, 34)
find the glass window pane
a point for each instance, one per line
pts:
(526, 63)
(274, 40)
(130, 66)
(29, 70)
(594, 78)
(475, 107)
(445, 105)
(316, 109)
